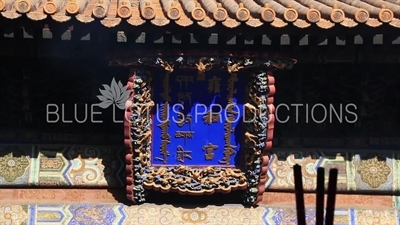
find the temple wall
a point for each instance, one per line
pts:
(366, 152)
(34, 153)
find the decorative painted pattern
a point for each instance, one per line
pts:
(396, 169)
(358, 170)
(15, 165)
(57, 165)
(150, 214)
(14, 214)
(112, 196)
(280, 171)
(79, 166)
(396, 201)
(101, 166)
(342, 200)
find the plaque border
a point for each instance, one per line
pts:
(250, 177)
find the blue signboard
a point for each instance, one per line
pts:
(197, 119)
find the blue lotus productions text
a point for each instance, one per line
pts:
(300, 113)
(316, 113)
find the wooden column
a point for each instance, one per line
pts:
(127, 139)
(258, 132)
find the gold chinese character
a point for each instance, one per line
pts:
(214, 85)
(209, 149)
(211, 117)
(184, 119)
(228, 152)
(163, 151)
(181, 154)
(229, 109)
(184, 134)
(167, 89)
(164, 130)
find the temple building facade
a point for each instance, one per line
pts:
(195, 111)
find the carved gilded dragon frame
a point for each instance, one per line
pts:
(141, 175)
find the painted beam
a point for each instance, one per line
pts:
(228, 39)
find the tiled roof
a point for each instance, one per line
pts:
(207, 13)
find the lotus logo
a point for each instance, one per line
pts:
(116, 94)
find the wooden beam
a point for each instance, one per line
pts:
(322, 40)
(194, 38)
(177, 38)
(86, 37)
(249, 39)
(213, 39)
(121, 37)
(66, 35)
(8, 32)
(358, 40)
(340, 40)
(285, 39)
(378, 39)
(303, 40)
(27, 32)
(266, 40)
(47, 34)
(226, 40)
(141, 38)
(231, 39)
(395, 39)
(188, 43)
(158, 38)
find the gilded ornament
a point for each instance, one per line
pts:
(374, 171)
(194, 216)
(202, 64)
(13, 214)
(13, 167)
(235, 68)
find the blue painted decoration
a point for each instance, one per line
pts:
(192, 115)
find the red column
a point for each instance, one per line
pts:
(270, 136)
(127, 140)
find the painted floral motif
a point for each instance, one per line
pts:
(288, 216)
(375, 217)
(92, 214)
(13, 215)
(281, 172)
(374, 171)
(194, 216)
(285, 216)
(13, 165)
(149, 214)
(81, 166)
